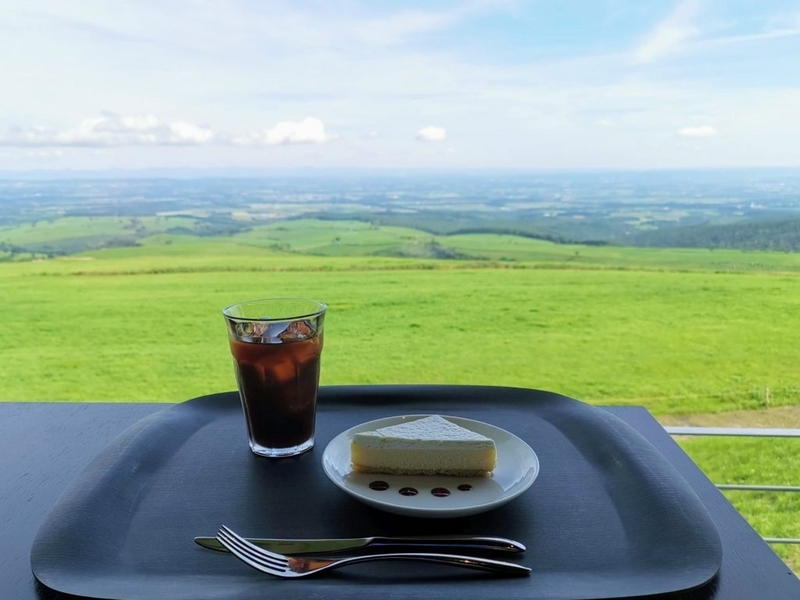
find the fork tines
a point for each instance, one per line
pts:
(256, 557)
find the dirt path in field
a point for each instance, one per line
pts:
(780, 417)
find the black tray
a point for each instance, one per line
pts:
(608, 516)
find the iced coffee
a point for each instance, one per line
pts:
(276, 346)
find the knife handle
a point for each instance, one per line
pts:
(472, 542)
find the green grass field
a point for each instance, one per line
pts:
(48, 231)
(678, 331)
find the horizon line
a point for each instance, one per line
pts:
(254, 172)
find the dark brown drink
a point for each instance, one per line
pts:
(276, 345)
(278, 385)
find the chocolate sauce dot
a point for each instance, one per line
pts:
(465, 487)
(379, 486)
(408, 491)
(440, 492)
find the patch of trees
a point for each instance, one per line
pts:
(547, 237)
(777, 235)
(82, 244)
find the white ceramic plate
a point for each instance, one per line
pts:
(517, 468)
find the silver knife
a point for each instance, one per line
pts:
(325, 546)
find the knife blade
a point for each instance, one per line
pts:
(328, 546)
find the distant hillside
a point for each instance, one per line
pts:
(520, 223)
(779, 235)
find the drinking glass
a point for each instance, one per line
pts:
(276, 345)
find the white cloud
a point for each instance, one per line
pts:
(112, 130)
(670, 35)
(701, 131)
(182, 132)
(432, 134)
(309, 130)
(135, 123)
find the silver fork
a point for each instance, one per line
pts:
(279, 565)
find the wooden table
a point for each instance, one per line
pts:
(44, 446)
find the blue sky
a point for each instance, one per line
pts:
(569, 84)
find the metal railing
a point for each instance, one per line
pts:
(745, 432)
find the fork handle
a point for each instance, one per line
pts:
(468, 562)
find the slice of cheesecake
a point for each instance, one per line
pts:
(427, 446)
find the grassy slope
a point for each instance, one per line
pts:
(675, 342)
(678, 331)
(73, 228)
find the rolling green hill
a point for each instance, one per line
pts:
(436, 238)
